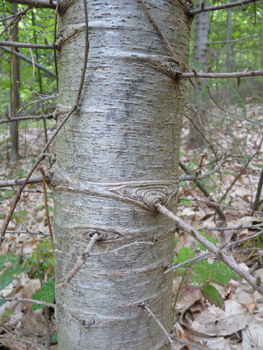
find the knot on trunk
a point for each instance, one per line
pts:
(57, 176)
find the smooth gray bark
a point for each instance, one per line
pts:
(116, 156)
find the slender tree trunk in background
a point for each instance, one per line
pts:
(39, 80)
(116, 156)
(201, 28)
(228, 45)
(14, 98)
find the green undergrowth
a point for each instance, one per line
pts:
(39, 265)
(203, 275)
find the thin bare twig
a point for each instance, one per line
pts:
(229, 112)
(36, 3)
(204, 176)
(255, 283)
(181, 64)
(205, 192)
(46, 205)
(242, 171)
(37, 117)
(255, 73)
(220, 7)
(85, 255)
(55, 38)
(28, 60)
(32, 46)
(42, 99)
(27, 233)
(73, 108)
(38, 302)
(206, 255)
(175, 339)
(33, 62)
(19, 182)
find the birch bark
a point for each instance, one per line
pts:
(116, 156)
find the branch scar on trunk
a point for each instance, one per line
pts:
(142, 193)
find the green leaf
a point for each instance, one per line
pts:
(227, 172)
(53, 338)
(185, 254)
(7, 257)
(200, 274)
(7, 276)
(2, 302)
(213, 296)
(175, 241)
(209, 238)
(46, 293)
(21, 173)
(9, 193)
(186, 202)
(222, 273)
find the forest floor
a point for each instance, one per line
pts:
(239, 323)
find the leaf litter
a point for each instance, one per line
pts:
(239, 324)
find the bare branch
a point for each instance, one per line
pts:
(255, 283)
(72, 110)
(36, 3)
(34, 233)
(221, 75)
(204, 176)
(32, 46)
(85, 255)
(29, 190)
(19, 182)
(220, 7)
(233, 41)
(206, 255)
(37, 117)
(175, 339)
(38, 302)
(28, 60)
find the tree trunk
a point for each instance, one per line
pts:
(228, 45)
(201, 27)
(116, 156)
(14, 98)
